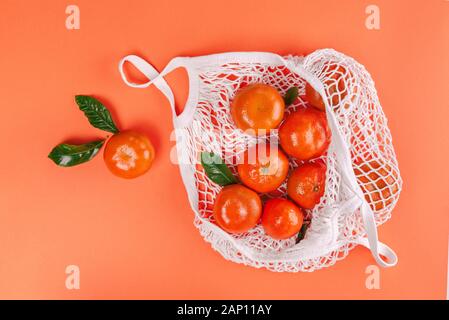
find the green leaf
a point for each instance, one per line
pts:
(68, 155)
(302, 232)
(291, 95)
(96, 113)
(216, 169)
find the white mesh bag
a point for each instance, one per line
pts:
(363, 181)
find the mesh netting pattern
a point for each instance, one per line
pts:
(334, 228)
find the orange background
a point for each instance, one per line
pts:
(135, 239)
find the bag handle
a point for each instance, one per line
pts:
(156, 78)
(378, 249)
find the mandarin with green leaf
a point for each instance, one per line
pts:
(128, 154)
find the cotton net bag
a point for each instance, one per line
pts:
(362, 181)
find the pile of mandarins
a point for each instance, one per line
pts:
(304, 135)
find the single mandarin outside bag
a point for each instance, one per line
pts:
(362, 181)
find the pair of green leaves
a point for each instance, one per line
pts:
(68, 155)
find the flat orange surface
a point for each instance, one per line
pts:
(135, 239)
